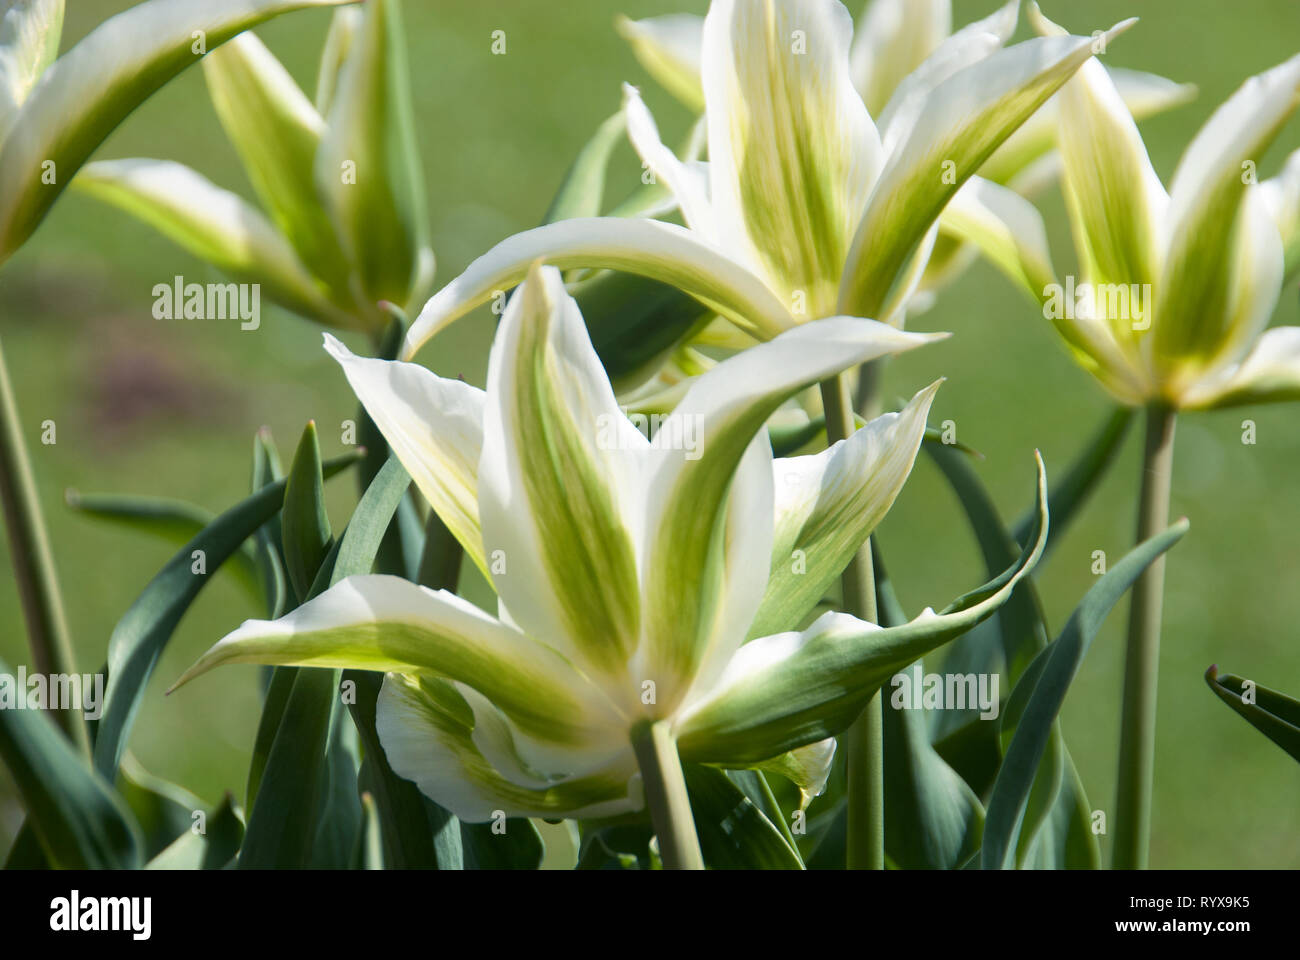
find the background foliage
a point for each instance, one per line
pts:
(170, 407)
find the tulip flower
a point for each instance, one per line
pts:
(630, 571)
(339, 179)
(805, 208)
(1170, 314)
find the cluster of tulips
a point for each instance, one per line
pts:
(672, 476)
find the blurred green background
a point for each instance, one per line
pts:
(170, 407)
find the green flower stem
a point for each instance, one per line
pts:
(864, 741)
(1142, 660)
(665, 791)
(29, 546)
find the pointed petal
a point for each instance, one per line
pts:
(435, 428)
(963, 121)
(893, 39)
(559, 483)
(828, 504)
(668, 47)
(367, 170)
(808, 768)
(1208, 305)
(648, 248)
(390, 624)
(88, 91)
(688, 184)
(214, 224)
(969, 45)
(433, 737)
(344, 26)
(784, 691)
(276, 131)
(1270, 373)
(792, 149)
(29, 42)
(1116, 201)
(687, 525)
(1006, 228)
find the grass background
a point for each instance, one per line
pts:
(170, 407)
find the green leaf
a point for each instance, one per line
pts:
(1273, 714)
(139, 637)
(304, 525)
(175, 521)
(88, 91)
(1049, 677)
(303, 801)
(163, 810)
(933, 820)
(734, 834)
(212, 849)
(78, 819)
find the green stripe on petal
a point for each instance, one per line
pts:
(1207, 306)
(1006, 228)
(827, 505)
(214, 224)
(648, 248)
(792, 150)
(963, 120)
(693, 539)
(559, 483)
(893, 39)
(386, 623)
(432, 736)
(788, 690)
(1270, 373)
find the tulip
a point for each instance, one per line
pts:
(339, 178)
(630, 572)
(1177, 289)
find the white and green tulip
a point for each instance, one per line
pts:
(1178, 286)
(630, 571)
(344, 226)
(806, 208)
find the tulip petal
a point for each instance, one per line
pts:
(648, 248)
(88, 91)
(385, 623)
(827, 505)
(276, 131)
(689, 184)
(963, 121)
(894, 38)
(434, 737)
(1270, 373)
(792, 149)
(435, 428)
(785, 691)
(808, 768)
(559, 483)
(1116, 201)
(215, 225)
(344, 26)
(1207, 304)
(1006, 228)
(668, 47)
(29, 42)
(690, 531)
(367, 171)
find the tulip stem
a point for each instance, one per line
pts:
(665, 792)
(29, 546)
(864, 740)
(1142, 659)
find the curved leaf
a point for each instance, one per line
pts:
(1273, 714)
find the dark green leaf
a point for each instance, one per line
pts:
(1273, 714)
(212, 849)
(733, 832)
(514, 845)
(304, 525)
(1050, 676)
